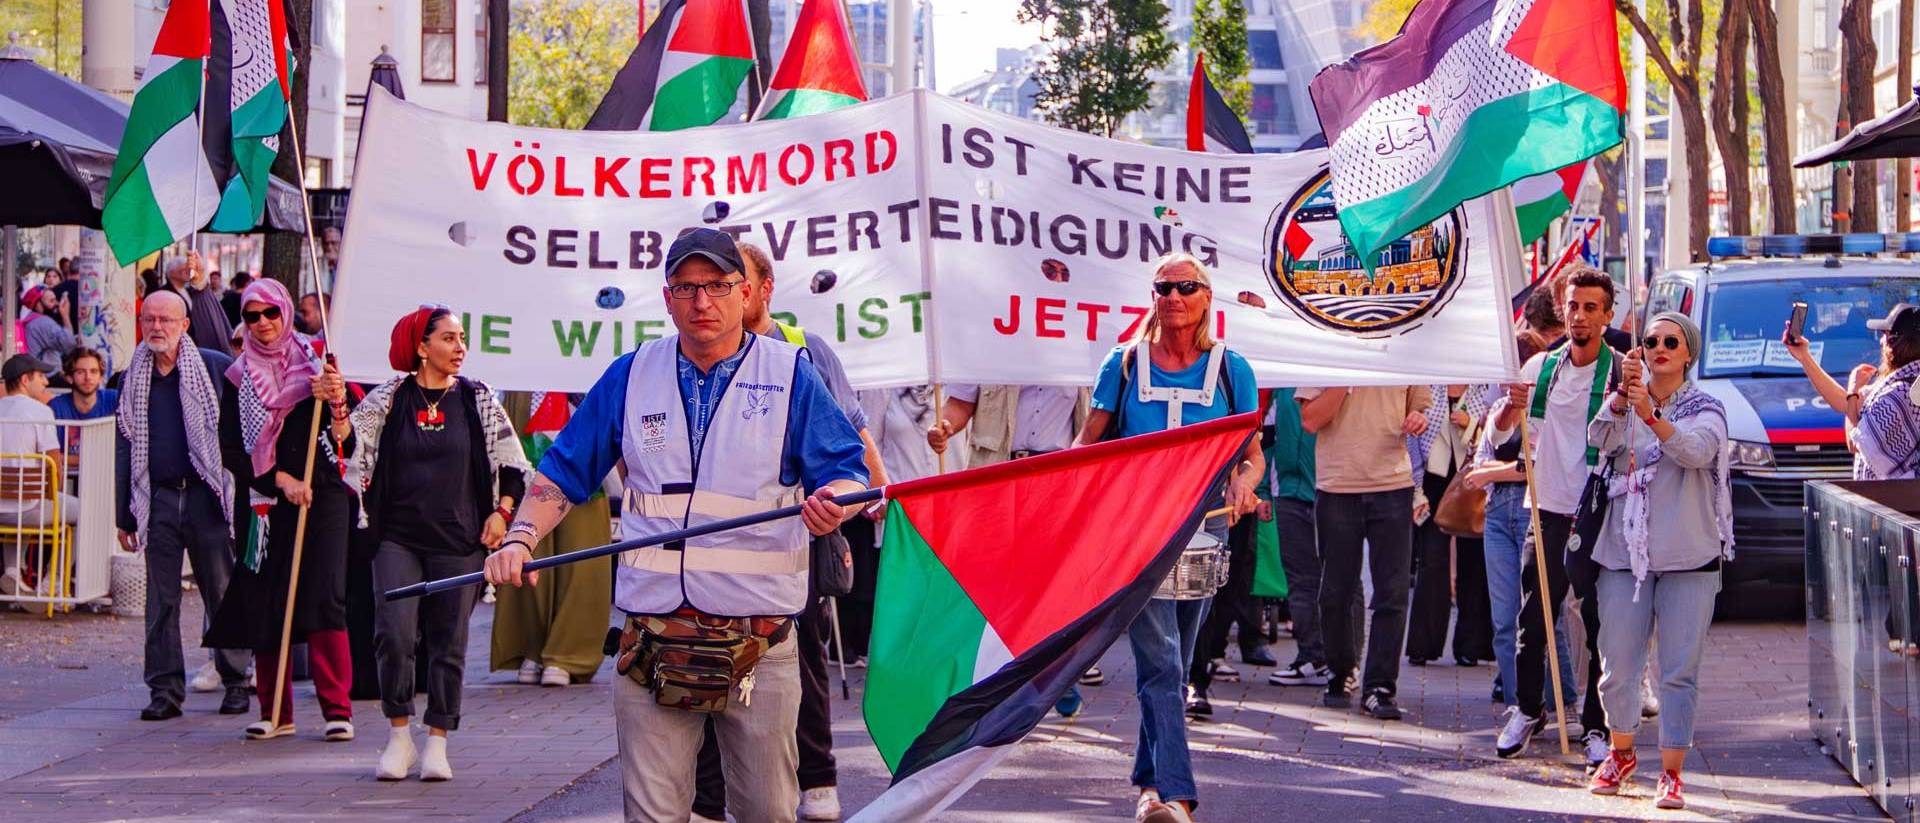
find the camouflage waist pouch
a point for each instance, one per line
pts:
(695, 661)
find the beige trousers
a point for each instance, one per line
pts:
(758, 753)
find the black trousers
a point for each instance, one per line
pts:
(1380, 524)
(434, 626)
(856, 609)
(1233, 605)
(1445, 570)
(181, 523)
(1564, 570)
(814, 733)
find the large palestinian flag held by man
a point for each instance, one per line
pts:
(998, 586)
(685, 72)
(1471, 96)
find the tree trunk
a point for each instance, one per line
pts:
(1729, 104)
(1856, 39)
(1687, 96)
(1774, 115)
(284, 251)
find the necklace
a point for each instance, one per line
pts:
(430, 419)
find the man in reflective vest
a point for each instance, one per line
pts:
(707, 424)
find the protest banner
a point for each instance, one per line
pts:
(1038, 243)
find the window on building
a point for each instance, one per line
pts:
(1822, 26)
(1272, 110)
(1263, 49)
(437, 48)
(480, 43)
(317, 173)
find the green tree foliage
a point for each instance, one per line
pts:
(50, 29)
(564, 55)
(1220, 32)
(1102, 57)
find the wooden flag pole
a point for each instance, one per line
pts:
(313, 433)
(939, 408)
(1546, 591)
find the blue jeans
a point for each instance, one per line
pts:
(1507, 523)
(1675, 609)
(1162, 638)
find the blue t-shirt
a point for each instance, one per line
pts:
(821, 445)
(1145, 418)
(105, 403)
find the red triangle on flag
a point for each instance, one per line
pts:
(820, 55)
(185, 32)
(1570, 177)
(551, 415)
(1575, 42)
(715, 27)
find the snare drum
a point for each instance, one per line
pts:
(1200, 571)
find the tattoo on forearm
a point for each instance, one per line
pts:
(547, 493)
(522, 526)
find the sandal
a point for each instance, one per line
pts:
(265, 730)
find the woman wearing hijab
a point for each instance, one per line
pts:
(1659, 564)
(265, 424)
(443, 469)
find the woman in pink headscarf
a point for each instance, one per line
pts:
(276, 385)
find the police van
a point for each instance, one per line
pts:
(1783, 432)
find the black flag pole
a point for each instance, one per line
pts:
(433, 586)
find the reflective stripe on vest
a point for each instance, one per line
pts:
(755, 570)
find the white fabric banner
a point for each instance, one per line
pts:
(1038, 242)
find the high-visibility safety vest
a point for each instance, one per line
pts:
(793, 334)
(750, 571)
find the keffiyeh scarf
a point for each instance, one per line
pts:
(1688, 402)
(199, 410)
(369, 419)
(1888, 435)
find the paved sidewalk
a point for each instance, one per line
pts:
(72, 749)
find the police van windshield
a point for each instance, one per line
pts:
(1744, 322)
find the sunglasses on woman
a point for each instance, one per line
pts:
(1653, 342)
(252, 317)
(1187, 288)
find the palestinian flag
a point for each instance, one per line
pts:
(256, 55)
(1540, 199)
(1211, 124)
(820, 70)
(161, 189)
(551, 411)
(1472, 95)
(976, 634)
(685, 72)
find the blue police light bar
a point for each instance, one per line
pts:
(1796, 245)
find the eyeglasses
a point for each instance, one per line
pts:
(1651, 342)
(252, 317)
(1187, 288)
(717, 288)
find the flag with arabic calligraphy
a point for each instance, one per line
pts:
(1470, 96)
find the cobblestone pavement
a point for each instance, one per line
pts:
(72, 749)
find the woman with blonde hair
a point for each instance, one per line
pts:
(1173, 373)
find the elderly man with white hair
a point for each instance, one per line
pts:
(175, 496)
(187, 277)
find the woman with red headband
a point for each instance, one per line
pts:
(266, 424)
(443, 469)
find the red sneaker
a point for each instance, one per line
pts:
(1614, 772)
(1669, 792)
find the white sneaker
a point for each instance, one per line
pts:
(1649, 699)
(205, 679)
(555, 676)
(529, 672)
(1517, 732)
(433, 761)
(1300, 674)
(398, 757)
(1223, 672)
(263, 730)
(1598, 746)
(337, 731)
(822, 803)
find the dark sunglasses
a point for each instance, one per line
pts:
(1187, 288)
(1672, 342)
(252, 317)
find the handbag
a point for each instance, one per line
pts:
(1592, 512)
(830, 570)
(1462, 511)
